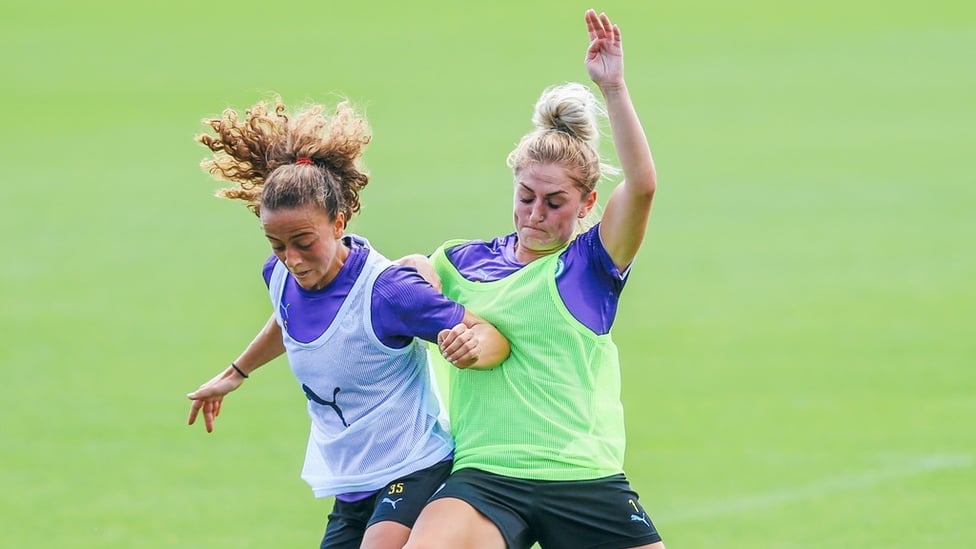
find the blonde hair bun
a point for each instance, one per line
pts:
(570, 108)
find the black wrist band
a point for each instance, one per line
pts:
(238, 370)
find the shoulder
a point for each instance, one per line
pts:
(588, 251)
(360, 255)
(395, 277)
(588, 241)
(268, 268)
(402, 287)
(400, 291)
(359, 246)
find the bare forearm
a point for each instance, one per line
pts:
(630, 140)
(265, 347)
(494, 347)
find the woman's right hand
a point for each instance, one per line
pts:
(210, 396)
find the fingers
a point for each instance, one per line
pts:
(459, 346)
(210, 408)
(599, 26)
(591, 23)
(194, 410)
(209, 415)
(209, 397)
(606, 24)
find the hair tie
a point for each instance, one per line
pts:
(303, 160)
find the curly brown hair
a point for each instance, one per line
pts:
(259, 153)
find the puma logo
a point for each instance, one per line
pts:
(640, 518)
(391, 502)
(310, 394)
(284, 313)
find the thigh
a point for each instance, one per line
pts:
(601, 513)
(450, 522)
(475, 509)
(385, 535)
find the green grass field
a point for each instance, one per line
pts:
(797, 335)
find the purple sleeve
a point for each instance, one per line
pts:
(268, 269)
(404, 306)
(589, 283)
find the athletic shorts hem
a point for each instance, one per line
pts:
(636, 543)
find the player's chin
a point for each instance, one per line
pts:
(546, 247)
(535, 240)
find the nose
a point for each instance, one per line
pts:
(538, 213)
(291, 258)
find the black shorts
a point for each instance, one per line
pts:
(401, 501)
(602, 513)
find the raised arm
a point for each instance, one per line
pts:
(265, 347)
(626, 212)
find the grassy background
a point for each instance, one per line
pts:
(797, 334)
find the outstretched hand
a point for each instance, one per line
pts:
(605, 56)
(210, 396)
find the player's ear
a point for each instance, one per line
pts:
(339, 225)
(588, 202)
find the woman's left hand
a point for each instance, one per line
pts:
(605, 56)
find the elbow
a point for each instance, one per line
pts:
(642, 181)
(506, 352)
(651, 187)
(500, 354)
(496, 358)
(650, 179)
(645, 187)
